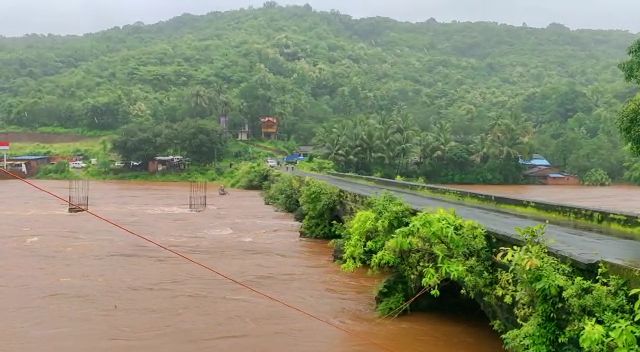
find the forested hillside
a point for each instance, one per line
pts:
(462, 91)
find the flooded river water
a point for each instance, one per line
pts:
(69, 282)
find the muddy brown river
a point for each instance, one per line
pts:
(69, 282)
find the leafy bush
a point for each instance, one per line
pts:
(320, 203)
(58, 171)
(435, 248)
(596, 177)
(252, 176)
(284, 193)
(366, 234)
(557, 309)
(633, 171)
(317, 165)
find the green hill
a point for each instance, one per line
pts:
(311, 67)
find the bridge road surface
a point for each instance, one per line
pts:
(583, 246)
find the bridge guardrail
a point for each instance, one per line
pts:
(598, 216)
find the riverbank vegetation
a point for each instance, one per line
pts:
(534, 300)
(596, 177)
(319, 202)
(57, 171)
(318, 205)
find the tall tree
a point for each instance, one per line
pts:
(629, 118)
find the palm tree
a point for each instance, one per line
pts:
(506, 140)
(332, 140)
(404, 138)
(365, 138)
(443, 142)
(424, 142)
(201, 101)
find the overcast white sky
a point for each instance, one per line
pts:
(18, 17)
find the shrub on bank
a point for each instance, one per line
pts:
(320, 203)
(435, 248)
(596, 177)
(252, 176)
(317, 165)
(558, 309)
(366, 233)
(58, 171)
(284, 193)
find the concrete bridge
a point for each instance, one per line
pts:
(584, 247)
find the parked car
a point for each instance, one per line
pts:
(272, 162)
(77, 165)
(119, 164)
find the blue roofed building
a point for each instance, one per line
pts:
(540, 171)
(536, 160)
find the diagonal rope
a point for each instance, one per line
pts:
(394, 313)
(204, 266)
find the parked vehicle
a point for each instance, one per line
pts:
(272, 162)
(77, 165)
(293, 158)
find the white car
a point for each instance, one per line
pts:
(272, 163)
(77, 165)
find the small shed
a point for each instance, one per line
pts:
(167, 163)
(538, 174)
(305, 151)
(18, 168)
(562, 179)
(28, 164)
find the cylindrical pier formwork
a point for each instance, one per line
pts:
(78, 196)
(198, 196)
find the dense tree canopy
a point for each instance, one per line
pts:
(202, 141)
(557, 87)
(629, 120)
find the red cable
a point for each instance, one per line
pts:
(300, 310)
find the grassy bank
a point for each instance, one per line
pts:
(536, 302)
(246, 175)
